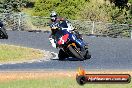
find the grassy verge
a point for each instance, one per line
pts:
(49, 80)
(57, 83)
(9, 53)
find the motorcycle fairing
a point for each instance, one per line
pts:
(63, 39)
(63, 35)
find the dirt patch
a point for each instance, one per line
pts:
(8, 76)
(12, 75)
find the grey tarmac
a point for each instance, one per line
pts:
(107, 53)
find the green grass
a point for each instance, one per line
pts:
(16, 53)
(56, 83)
(27, 10)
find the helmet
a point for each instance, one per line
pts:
(53, 16)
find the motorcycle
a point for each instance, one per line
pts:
(70, 45)
(3, 34)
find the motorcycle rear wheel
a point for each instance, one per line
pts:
(3, 34)
(87, 55)
(62, 55)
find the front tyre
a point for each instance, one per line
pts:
(76, 53)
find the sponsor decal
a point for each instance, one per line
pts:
(83, 78)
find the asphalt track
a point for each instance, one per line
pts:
(107, 53)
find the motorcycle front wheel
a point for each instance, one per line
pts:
(76, 53)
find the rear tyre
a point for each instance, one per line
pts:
(88, 55)
(3, 33)
(6, 37)
(62, 55)
(76, 53)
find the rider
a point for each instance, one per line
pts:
(56, 23)
(59, 22)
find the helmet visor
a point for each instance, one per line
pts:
(53, 18)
